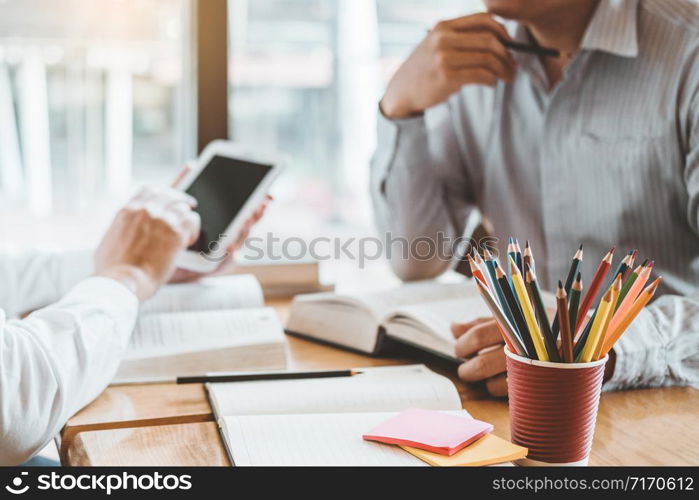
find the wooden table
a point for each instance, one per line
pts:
(167, 424)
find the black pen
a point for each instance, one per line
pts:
(531, 49)
(253, 376)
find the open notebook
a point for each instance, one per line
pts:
(216, 324)
(321, 421)
(418, 314)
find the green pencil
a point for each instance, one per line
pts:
(628, 284)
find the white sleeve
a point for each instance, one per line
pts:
(33, 279)
(57, 360)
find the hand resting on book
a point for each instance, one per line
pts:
(480, 342)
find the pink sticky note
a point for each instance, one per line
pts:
(429, 430)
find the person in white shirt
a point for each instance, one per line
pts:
(61, 356)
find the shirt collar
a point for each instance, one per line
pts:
(613, 28)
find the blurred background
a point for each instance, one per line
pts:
(96, 99)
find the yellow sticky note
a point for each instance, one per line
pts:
(488, 450)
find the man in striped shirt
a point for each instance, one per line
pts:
(599, 146)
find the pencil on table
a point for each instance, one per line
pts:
(506, 329)
(594, 287)
(596, 330)
(528, 311)
(562, 313)
(574, 269)
(615, 333)
(516, 312)
(538, 302)
(597, 348)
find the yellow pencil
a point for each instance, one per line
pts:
(616, 290)
(528, 311)
(596, 331)
(638, 305)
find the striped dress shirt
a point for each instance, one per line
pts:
(609, 156)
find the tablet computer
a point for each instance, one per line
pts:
(229, 182)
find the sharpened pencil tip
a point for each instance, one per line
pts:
(512, 240)
(580, 248)
(560, 284)
(579, 276)
(651, 263)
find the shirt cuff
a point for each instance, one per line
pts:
(110, 296)
(641, 358)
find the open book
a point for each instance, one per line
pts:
(418, 314)
(321, 421)
(216, 324)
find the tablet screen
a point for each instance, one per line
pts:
(221, 189)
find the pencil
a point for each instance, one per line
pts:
(616, 288)
(491, 264)
(475, 270)
(253, 376)
(531, 49)
(516, 312)
(616, 333)
(506, 329)
(481, 265)
(511, 252)
(528, 257)
(519, 261)
(594, 287)
(601, 316)
(528, 311)
(574, 268)
(631, 296)
(545, 326)
(632, 261)
(562, 313)
(628, 284)
(574, 302)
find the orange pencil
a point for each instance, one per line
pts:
(476, 271)
(640, 303)
(631, 296)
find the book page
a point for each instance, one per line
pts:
(224, 292)
(390, 388)
(167, 334)
(414, 293)
(436, 317)
(314, 440)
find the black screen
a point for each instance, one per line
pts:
(221, 189)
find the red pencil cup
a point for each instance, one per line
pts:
(553, 408)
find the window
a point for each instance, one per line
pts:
(91, 104)
(305, 80)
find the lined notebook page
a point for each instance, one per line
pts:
(315, 440)
(381, 389)
(225, 292)
(167, 334)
